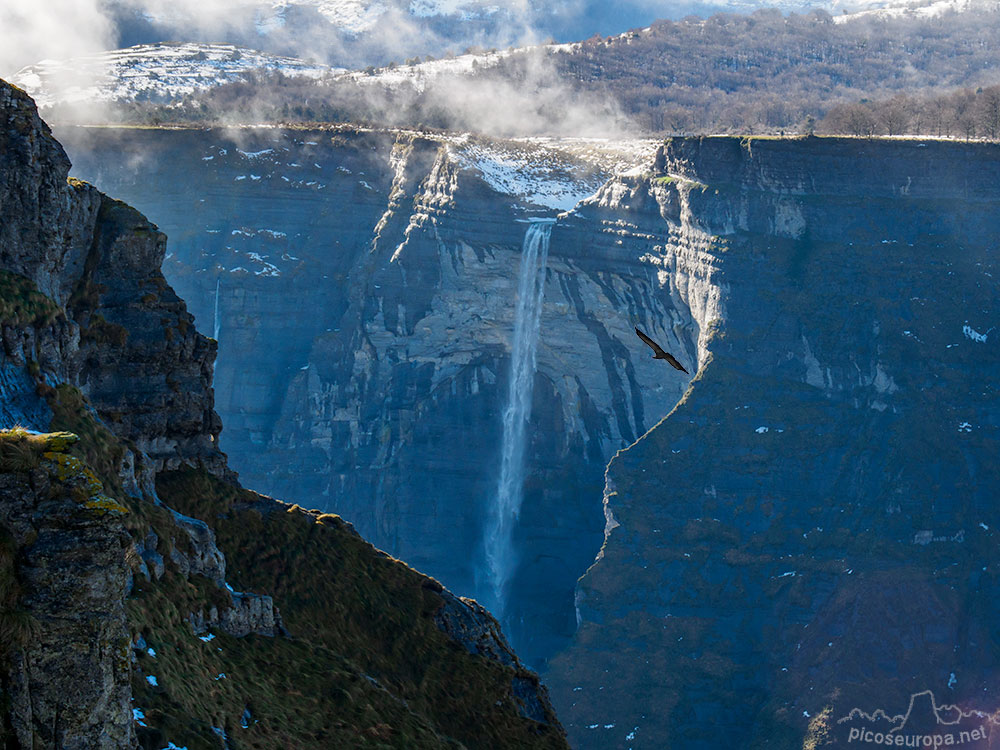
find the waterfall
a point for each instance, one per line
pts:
(506, 506)
(216, 322)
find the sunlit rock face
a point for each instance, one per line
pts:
(813, 529)
(366, 296)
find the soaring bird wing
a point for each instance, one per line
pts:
(658, 352)
(677, 365)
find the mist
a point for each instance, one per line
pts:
(348, 34)
(52, 29)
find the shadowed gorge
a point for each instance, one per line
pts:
(367, 288)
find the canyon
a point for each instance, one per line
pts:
(803, 528)
(365, 285)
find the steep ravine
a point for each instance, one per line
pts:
(809, 531)
(147, 599)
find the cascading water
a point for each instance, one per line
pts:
(216, 322)
(506, 506)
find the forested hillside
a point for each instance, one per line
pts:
(765, 72)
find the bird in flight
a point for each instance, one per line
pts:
(658, 353)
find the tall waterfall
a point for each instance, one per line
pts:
(506, 506)
(216, 322)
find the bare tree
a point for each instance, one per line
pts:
(988, 110)
(860, 120)
(894, 115)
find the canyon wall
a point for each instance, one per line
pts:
(809, 531)
(147, 599)
(813, 528)
(366, 296)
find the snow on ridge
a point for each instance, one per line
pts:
(162, 71)
(357, 16)
(353, 16)
(540, 176)
(467, 9)
(913, 8)
(419, 74)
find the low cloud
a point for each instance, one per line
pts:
(33, 31)
(530, 99)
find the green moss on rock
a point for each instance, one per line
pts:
(21, 303)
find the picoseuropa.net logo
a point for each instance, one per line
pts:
(924, 725)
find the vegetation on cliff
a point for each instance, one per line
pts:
(22, 304)
(361, 660)
(381, 671)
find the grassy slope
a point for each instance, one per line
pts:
(354, 604)
(365, 666)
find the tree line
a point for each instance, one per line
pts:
(962, 114)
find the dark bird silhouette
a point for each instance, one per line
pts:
(658, 353)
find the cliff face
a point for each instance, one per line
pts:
(809, 531)
(111, 595)
(80, 310)
(362, 286)
(65, 643)
(812, 529)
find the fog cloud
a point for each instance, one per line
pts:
(348, 33)
(351, 33)
(33, 31)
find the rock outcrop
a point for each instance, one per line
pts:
(63, 631)
(102, 554)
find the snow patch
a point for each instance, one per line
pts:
(166, 71)
(974, 335)
(254, 154)
(538, 175)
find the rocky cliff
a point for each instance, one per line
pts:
(362, 285)
(123, 536)
(812, 529)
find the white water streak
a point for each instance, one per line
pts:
(216, 323)
(503, 513)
